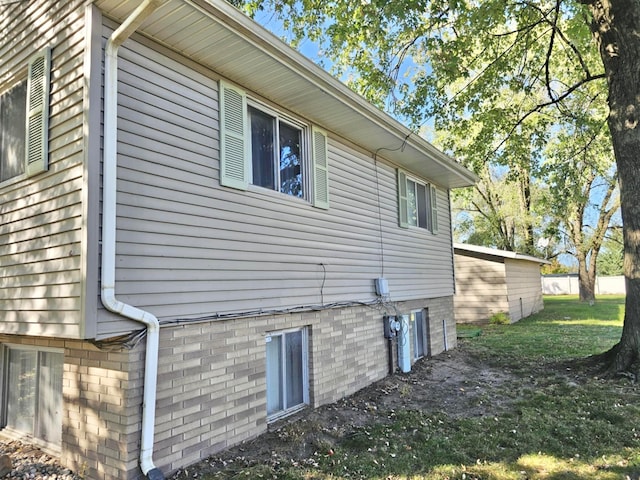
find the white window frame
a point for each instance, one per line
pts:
(4, 390)
(404, 203)
(236, 156)
(305, 153)
(36, 131)
(424, 316)
(288, 410)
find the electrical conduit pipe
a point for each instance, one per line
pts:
(109, 187)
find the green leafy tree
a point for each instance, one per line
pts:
(554, 267)
(494, 213)
(610, 260)
(584, 191)
(495, 73)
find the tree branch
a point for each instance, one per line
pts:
(542, 106)
(561, 34)
(547, 61)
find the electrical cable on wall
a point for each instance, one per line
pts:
(324, 279)
(375, 167)
(382, 305)
(132, 339)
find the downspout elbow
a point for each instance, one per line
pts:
(152, 324)
(114, 305)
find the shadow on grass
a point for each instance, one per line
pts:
(558, 430)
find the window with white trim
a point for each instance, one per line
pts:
(12, 131)
(264, 147)
(278, 153)
(287, 372)
(419, 328)
(24, 120)
(417, 203)
(32, 392)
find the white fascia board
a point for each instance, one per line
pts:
(498, 253)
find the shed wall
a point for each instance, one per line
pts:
(481, 289)
(525, 288)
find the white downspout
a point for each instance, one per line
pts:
(109, 186)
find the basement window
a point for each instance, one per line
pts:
(287, 372)
(32, 392)
(419, 328)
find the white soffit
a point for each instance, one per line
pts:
(217, 35)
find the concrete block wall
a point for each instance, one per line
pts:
(212, 383)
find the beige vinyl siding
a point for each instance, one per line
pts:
(188, 247)
(481, 289)
(418, 264)
(525, 288)
(42, 229)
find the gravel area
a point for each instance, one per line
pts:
(31, 463)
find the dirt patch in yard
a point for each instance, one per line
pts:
(456, 383)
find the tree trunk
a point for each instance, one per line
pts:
(616, 27)
(524, 179)
(586, 282)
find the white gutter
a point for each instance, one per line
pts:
(109, 187)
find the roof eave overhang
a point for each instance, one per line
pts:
(220, 37)
(475, 250)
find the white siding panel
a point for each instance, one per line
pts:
(41, 232)
(189, 248)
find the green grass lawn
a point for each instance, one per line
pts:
(565, 329)
(550, 419)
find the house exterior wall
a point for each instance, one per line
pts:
(481, 289)
(42, 239)
(212, 386)
(188, 247)
(211, 383)
(101, 394)
(219, 267)
(524, 287)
